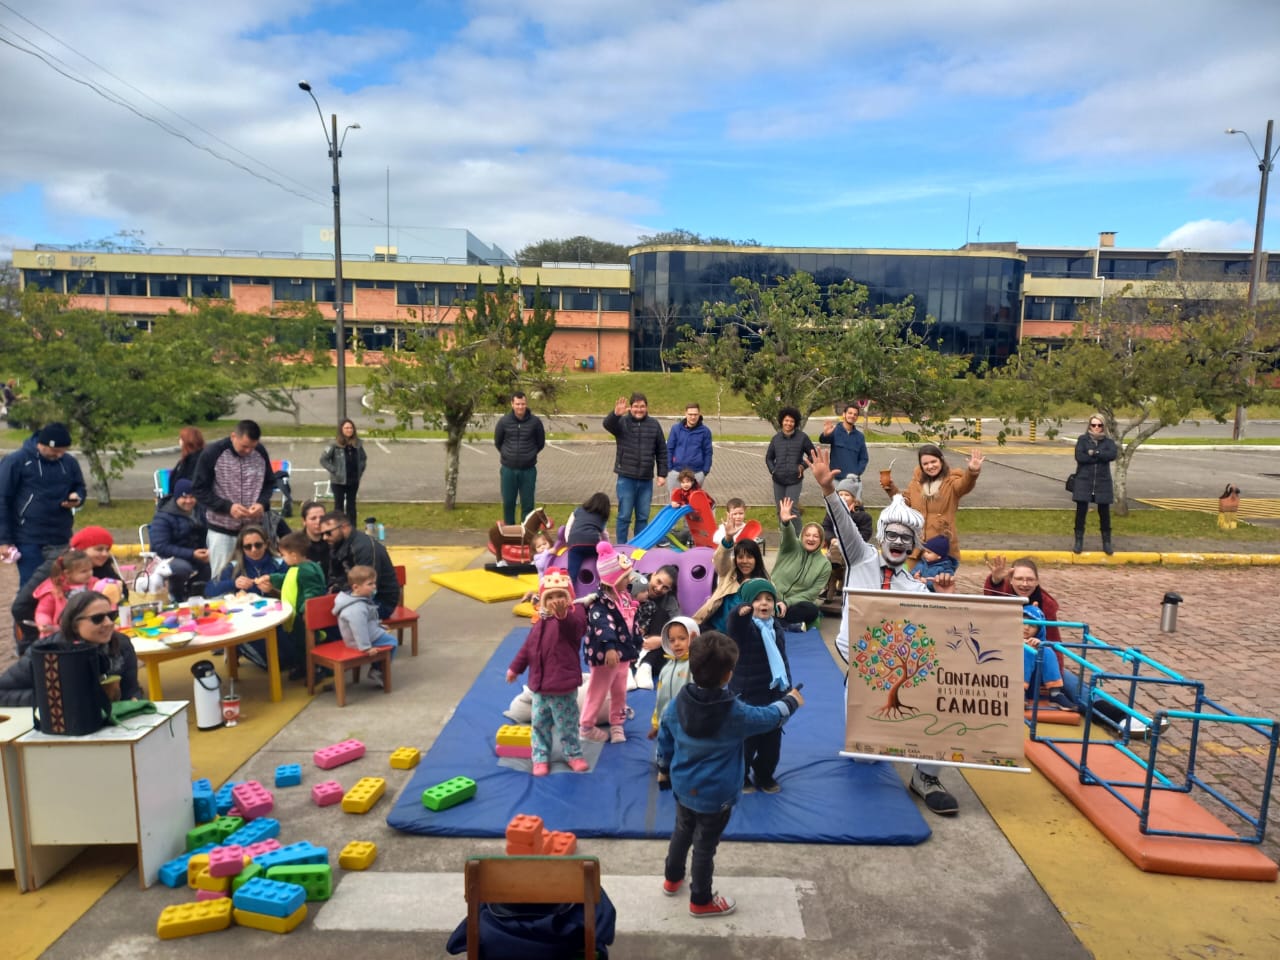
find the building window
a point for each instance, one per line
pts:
(49, 281)
(325, 289)
(615, 300)
(415, 294)
(451, 293)
(87, 283)
(168, 285)
(575, 299)
(550, 297)
(292, 289)
(215, 288)
(128, 285)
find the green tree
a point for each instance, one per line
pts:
(794, 344)
(1144, 365)
(266, 356)
(573, 250)
(449, 374)
(685, 238)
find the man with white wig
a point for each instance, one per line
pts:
(898, 532)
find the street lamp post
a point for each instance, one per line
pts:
(1255, 273)
(339, 299)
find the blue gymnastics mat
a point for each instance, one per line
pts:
(825, 798)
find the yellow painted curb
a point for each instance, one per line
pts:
(1132, 557)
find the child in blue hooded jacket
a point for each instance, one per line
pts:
(700, 755)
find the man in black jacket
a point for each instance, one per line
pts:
(641, 455)
(233, 482)
(519, 437)
(349, 548)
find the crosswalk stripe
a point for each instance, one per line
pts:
(1250, 509)
(768, 907)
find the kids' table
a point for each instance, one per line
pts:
(248, 622)
(125, 784)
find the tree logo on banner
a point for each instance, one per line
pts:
(894, 656)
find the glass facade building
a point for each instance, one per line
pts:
(975, 296)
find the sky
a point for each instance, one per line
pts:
(828, 123)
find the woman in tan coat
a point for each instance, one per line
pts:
(935, 490)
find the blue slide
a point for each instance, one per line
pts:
(659, 527)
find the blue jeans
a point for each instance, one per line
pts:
(634, 496)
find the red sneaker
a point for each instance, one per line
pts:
(672, 887)
(541, 769)
(718, 907)
(578, 764)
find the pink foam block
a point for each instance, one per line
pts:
(262, 846)
(252, 800)
(503, 750)
(226, 861)
(327, 793)
(335, 756)
(210, 895)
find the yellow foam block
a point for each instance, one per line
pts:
(405, 758)
(514, 735)
(485, 585)
(197, 862)
(206, 881)
(362, 797)
(189, 919)
(262, 921)
(358, 855)
(525, 609)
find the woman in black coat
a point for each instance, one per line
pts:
(1095, 452)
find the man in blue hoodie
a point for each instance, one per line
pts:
(40, 484)
(689, 447)
(700, 757)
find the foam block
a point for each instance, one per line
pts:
(264, 828)
(203, 895)
(327, 793)
(226, 826)
(271, 897)
(362, 797)
(524, 835)
(448, 794)
(189, 919)
(195, 863)
(250, 871)
(486, 586)
(223, 800)
(358, 855)
(261, 847)
(288, 775)
(226, 861)
(556, 843)
(173, 874)
(202, 802)
(405, 758)
(207, 834)
(206, 881)
(327, 758)
(315, 878)
(263, 921)
(521, 753)
(294, 853)
(514, 735)
(253, 800)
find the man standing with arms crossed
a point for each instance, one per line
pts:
(641, 454)
(233, 482)
(519, 437)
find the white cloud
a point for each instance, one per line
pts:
(1210, 235)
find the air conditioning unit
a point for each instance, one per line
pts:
(1080, 300)
(419, 285)
(87, 273)
(131, 276)
(379, 328)
(215, 279)
(296, 281)
(1040, 300)
(171, 276)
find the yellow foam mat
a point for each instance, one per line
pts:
(485, 586)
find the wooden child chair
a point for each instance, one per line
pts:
(336, 655)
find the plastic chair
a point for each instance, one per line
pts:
(144, 539)
(403, 617)
(336, 655)
(284, 486)
(532, 880)
(323, 490)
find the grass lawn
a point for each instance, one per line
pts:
(1161, 524)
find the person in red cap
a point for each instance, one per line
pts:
(97, 543)
(40, 486)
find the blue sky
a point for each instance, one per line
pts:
(828, 123)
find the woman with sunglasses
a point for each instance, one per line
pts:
(1095, 452)
(88, 618)
(252, 558)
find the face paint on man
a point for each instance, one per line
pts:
(896, 544)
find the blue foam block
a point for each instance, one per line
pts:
(271, 897)
(174, 873)
(255, 831)
(289, 775)
(203, 806)
(619, 797)
(294, 854)
(223, 798)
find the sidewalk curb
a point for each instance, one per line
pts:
(1093, 558)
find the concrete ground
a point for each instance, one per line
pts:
(966, 892)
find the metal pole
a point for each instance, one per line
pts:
(339, 301)
(1255, 274)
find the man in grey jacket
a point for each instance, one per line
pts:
(519, 437)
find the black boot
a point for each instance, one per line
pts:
(1079, 546)
(1106, 544)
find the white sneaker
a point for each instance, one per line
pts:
(644, 677)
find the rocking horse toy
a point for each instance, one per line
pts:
(510, 543)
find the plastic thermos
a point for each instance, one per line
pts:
(206, 694)
(382, 531)
(1169, 612)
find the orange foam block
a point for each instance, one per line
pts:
(556, 843)
(524, 834)
(1181, 856)
(1052, 713)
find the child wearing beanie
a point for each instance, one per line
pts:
(934, 559)
(762, 677)
(612, 641)
(550, 654)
